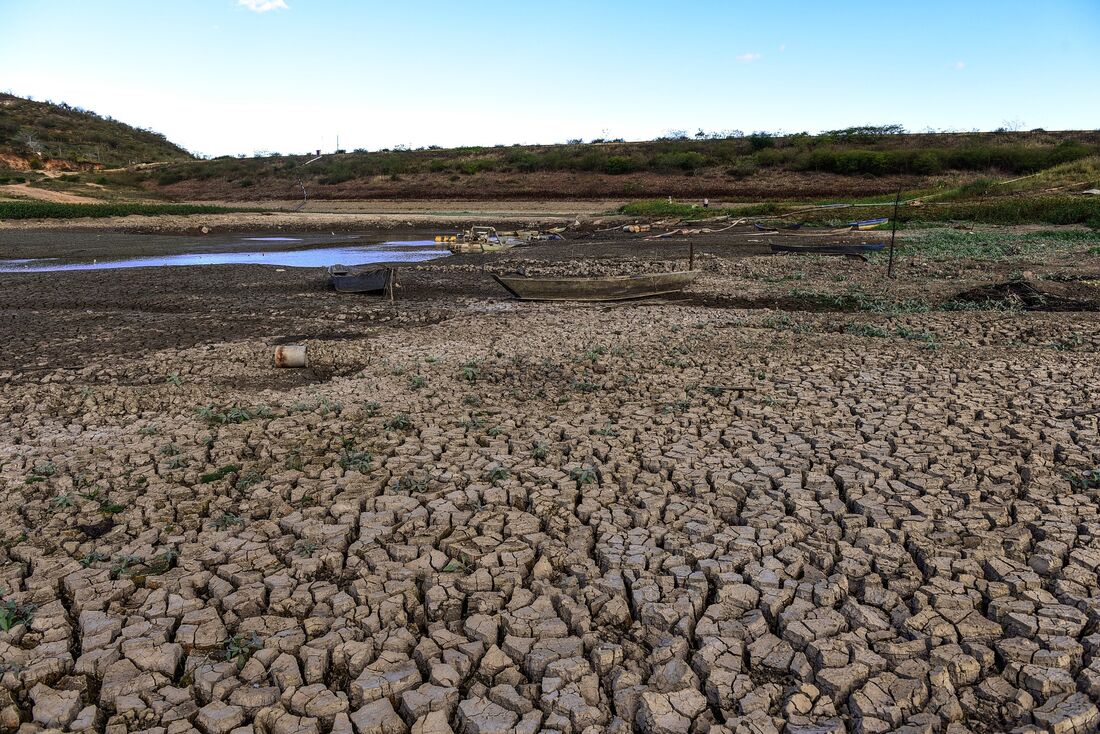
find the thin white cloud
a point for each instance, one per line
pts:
(750, 57)
(262, 6)
(960, 65)
(782, 47)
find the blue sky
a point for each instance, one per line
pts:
(239, 76)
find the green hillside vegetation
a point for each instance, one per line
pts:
(39, 132)
(865, 151)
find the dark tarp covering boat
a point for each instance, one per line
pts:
(836, 248)
(366, 279)
(600, 288)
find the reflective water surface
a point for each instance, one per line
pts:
(398, 251)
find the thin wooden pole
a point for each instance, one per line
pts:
(893, 233)
(691, 256)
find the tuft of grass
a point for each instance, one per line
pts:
(1085, 480)
(41, 472)
(583, 475)
(93, 556)
(250, 478)
(219, 473)
(866, 330)
(676, 406)
(456, 565)
(164, 561)
(399, 422)
(305, 549)
(496, 474)
(323, 406)
(110, 508)
(234, 414)
(416, 382)
(120, 565)
(981, 186)
(352, 460)
(226, 521)
(239, 648)
(13, 614)
(540, 450)
(174, 378)
(593, 354)
(63, 501)
(474, 423)
(408, 483)
(470, 371)
(609, 429)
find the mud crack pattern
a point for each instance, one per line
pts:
(661, 519)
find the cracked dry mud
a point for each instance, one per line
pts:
(558, 518)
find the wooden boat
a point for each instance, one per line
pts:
(868, 223)
(836, 248)
(768, 228)
(366, 279)
(600, 288)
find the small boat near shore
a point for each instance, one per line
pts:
(868, 223)
(835, 248)
(366, 279)
(760, 227)
(598, 288)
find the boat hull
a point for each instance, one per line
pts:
(867, 223)
(609, 288)
(354, 280)
(834, 249)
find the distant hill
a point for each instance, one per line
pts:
(44, 135)
(855, 162)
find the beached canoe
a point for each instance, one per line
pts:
(868, 223)
(772, 228)
(604, 288)
(366, 279)
(836, 248)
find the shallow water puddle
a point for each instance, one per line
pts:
(317, 257)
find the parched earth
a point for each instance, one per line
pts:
(485, 516)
